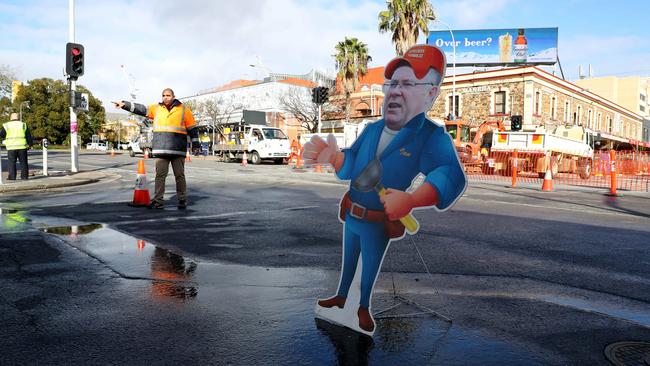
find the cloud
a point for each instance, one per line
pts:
(190, 45)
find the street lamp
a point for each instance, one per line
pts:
(453, 88)
(21, 108)
(265, 68)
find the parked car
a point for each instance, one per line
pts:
(101, 146)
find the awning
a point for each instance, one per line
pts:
(612, 137)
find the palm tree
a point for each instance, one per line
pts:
(405, 19)
(351, 62)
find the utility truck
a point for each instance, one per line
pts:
(565, 149)
(257, 141)
(142, 141)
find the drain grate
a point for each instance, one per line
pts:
(628, 353)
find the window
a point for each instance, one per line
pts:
(567, 111)
(274, 133)
(452, 130)
(464, 134)
(590, 122)
(578, 118)
(609, 124)
(599, 121)
(500, 102)
(642, 97)
(454, 106)
(553, 111)
(538, 102)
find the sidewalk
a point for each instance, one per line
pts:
(56, 179)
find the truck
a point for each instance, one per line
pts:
(565, 149)
(258, 142)
(141, 142)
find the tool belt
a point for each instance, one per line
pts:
(392, 229)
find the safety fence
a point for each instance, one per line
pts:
(631, 169)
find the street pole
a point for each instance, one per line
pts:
(319, 110)
(1, 178)
(74, 145)
(21, 108)
(453, 88)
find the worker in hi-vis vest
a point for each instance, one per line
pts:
(17, 139)
(173, 122)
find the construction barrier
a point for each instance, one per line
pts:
(632, 169)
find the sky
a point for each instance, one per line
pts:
(195, 45)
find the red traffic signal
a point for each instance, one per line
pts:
(74, 60)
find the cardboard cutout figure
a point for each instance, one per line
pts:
(381, 164)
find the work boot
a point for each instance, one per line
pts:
(338, 301)
(365, 320)
(156, 205)
(182, 204)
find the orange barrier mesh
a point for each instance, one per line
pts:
(632, 168)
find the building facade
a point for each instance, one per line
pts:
(542, 99)
(264, 96)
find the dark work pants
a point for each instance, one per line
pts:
(20, 155)
(162, 168)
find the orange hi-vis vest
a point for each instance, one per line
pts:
(171, 128)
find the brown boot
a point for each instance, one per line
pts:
(338, 301)
(365, 320)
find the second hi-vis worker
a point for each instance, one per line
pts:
(173, 122)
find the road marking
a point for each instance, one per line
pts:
(581, 210)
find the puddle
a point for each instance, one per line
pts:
(170, 273)
(271, 309)
(72, 229)
(13, 220)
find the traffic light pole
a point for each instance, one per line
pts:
(74, 144)
(319, 110)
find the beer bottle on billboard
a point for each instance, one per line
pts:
(521, 47)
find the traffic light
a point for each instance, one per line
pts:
(323, 94)
(319, 94)
(515, 123)
(74, 60)
(314, 95)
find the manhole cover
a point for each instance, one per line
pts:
(628, 353)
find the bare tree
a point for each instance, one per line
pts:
(300, 106)
(296, 104)
(217, 111)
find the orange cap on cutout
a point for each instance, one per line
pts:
(421, 58)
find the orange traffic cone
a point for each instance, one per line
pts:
(547, 186)
(318, 168)
(244, 160)
(141, 193)
(112, 151)
(146, 153)
(187, 156)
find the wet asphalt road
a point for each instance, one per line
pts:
(528, 278)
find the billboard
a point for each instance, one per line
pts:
(495, 47)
